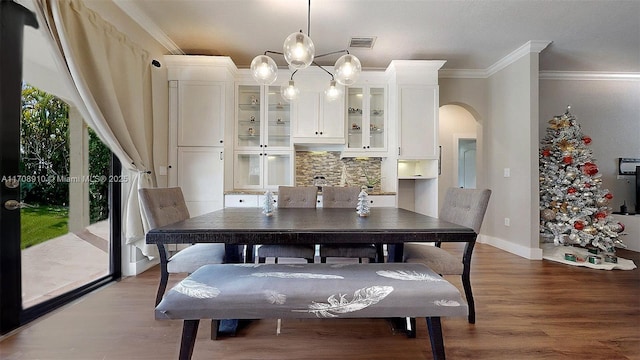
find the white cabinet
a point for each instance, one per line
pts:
(317, 120)
(418, 125)
(263, 118)
(201, 113)
(241, 200)
(262, 169)
(200, 175)
(382, 200)
(200, 107)
(366, 121)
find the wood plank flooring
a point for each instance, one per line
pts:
(525, 310)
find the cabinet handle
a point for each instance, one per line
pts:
(398, 150)
(316, 133)
(221, 157)
(260, 145)
(368, 146)
(169, 166)
(240, 200)
(265, 145)
(364, 147)
(221, 141)
(320, 132)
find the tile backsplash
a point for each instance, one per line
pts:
(336, 171)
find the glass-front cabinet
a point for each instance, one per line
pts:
(263, 118)
(263, 154)
(366, 120)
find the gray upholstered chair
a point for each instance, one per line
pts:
(164, 206)
(292, 197)
(463, 207)
(344, 197)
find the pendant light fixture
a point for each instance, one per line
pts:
(299, 52)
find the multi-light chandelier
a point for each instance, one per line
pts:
(299, 52)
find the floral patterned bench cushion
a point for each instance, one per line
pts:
(262, 291)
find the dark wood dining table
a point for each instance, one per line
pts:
(249, 226)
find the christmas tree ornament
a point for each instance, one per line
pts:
(574, 209)
(268, 205)
(363, 203)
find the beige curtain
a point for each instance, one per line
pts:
(111, 77)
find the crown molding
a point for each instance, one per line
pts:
(531, 46)
(589, 75)
(462, 74)
(131, 9)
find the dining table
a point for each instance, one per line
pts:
(236, 227)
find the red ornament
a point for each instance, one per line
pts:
(621, 227)
(578, 225)
(586, 140)
(600, 215)
(587, 185)
(546, 152)
(609, 196)
(571, 190)
(567, 159)
(590, 168)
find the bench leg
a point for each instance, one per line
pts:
(189, 332)
(435, 336)
(214, 329)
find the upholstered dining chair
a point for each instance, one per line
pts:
(344, 197)
(164, 206)
(291, 197)
(464, 207)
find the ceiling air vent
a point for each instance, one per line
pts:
(362, 42)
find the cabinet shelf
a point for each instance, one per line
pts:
(249, 107)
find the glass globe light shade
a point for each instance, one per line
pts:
(264, 69)
(347, 69)
(289, 91)
(333, 92)
(298, 50)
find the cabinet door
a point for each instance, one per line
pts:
(355, 119)
(201, 113)
(278, 169)
(247, 170)
(376, 111)
(278, 115)
(201, 177)
(248, 117)
(332, 119)
(418, 122)
(307, 115)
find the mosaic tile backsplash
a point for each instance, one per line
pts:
(336, 171)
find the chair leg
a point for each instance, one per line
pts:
(262, 260)
(466, 284)
(189, 332)
(435, 337)
(309, 261)
(323, 259)
(164, 274)
(215, 324)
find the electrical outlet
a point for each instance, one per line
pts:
(507, 222)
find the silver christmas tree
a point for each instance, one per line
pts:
(267, 205)
(363, 204)
(574, 208)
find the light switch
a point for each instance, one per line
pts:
(507, 172)
(162, 170)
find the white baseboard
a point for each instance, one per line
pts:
(516, 249)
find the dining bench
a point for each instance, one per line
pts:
(280, 291)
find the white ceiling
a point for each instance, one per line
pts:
(596, 36)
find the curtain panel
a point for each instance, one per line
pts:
(111, 79)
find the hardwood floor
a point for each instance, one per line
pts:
(525, 310)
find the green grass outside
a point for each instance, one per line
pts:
(41, 223)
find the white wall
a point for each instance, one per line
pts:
(608, 111)
(511, 142)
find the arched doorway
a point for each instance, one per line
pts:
(458, 137)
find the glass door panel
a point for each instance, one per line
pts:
(248, 126)
(279, 119)
(376, 118)
(278, 170)
(247, 170)
(355, 117)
